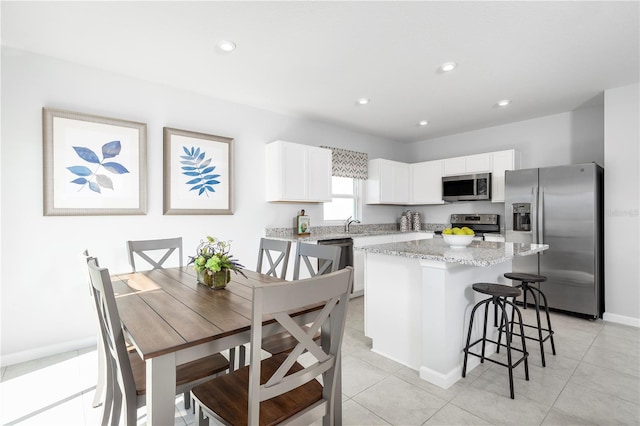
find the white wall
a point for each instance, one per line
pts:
(622, 202)
(45, 306)
(567, 138)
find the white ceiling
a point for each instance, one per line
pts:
(316, 58)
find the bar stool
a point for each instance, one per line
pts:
(499, 296)
(526, 281)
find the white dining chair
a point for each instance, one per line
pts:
(318, 259)
(279, 389)
(125, 388)
(165, 247)
(267, 249)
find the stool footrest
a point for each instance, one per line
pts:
(513, 365)
(544, 339)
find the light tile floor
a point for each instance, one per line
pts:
(593, 380)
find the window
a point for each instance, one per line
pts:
(345, 199)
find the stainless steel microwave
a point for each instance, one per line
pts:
(467, 187)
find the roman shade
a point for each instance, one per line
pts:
(350, 164)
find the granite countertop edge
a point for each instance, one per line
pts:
(478, 254)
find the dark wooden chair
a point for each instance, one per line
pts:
(279, 389)
(142, 248)
(125, 389)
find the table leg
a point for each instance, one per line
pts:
(161, 390)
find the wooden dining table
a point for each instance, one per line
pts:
(171, 319)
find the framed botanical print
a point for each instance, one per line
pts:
(198, 173)
(93, 165)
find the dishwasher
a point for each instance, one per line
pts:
(346, 252)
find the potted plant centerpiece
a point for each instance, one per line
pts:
(214, 264)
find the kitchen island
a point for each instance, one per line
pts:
(418, 298)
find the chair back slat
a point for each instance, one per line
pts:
(118, 364)
(277, 300)
(327, 259)
(267, 248)
(142, 247)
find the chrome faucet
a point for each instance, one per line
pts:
(348, 222)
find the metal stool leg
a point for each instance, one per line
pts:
(466, 346)
(542, 297)
(522, 337)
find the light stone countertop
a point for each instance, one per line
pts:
(478, 253)
(336, 235)
(335, 232)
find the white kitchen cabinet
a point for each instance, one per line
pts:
(426, 182)
(298, 173)
(411, 236)
(501, 161)
(388, 182)
(454, 166)
(497, 238)
(477, 163)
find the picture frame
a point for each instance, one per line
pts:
(93, 165)
(198, 173)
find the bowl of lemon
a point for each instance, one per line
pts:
(458, 237)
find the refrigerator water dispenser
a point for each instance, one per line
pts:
(521, 216)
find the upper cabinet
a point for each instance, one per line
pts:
(477, 163)
(501, 161)
(388, 182)
(298, 173)
(426, 182)
(392, 182)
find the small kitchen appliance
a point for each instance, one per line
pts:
(467, 187)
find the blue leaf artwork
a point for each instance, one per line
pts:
(199, 168)
(90, 176)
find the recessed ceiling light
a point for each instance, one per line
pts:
(423, 123)
(448, 66)
(503, 102)
(363, 101)
(226, 45)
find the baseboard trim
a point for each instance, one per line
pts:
(45, 351)
(621, 319)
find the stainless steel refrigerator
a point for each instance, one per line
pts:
(562, 207)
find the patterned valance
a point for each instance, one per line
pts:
(351, 164)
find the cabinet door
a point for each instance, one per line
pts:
(387, 181)
(478, 163)
(454, 166)
(394, 182)
(426, 182)
(294, 171)
(401, 183)
(502, 160)
(319, 174)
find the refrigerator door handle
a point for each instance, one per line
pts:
(534, 214)
(541, 218)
